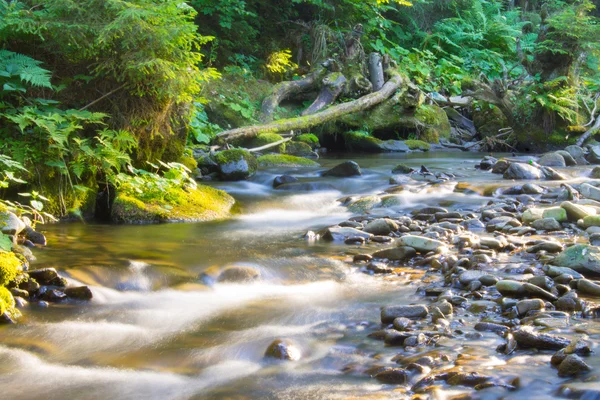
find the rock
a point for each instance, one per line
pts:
(44, 276)
(394, 146)
(381, 226)
(379, 268)
(581, 258)
(526, 336)
(591, 220)
(345, 169)
(577, 153)
(388, 314)
(588, 287)
(531, 214)
(522, 171)
(589, 192)
(572, 365)
(595, 173)
(421, 244)
(557, 213)
(392, 376)
(510, 288)
(402, 323)
(569, 160)
(490, 327)
(283, 349)
(401, 253)
(364, 204)
(52, 295)
(10, 224)
(576, 212)
(594, 155)
(546, 245)
(531, 188)
(79, 293)
(238, 273)
(554, 272)
(402, 169)
(546, 224)
(500, 167)
(553, 175)
(595, 239)
(524, 306)
(552, 160)
(467, 277)
(341, 234)
(536, 291)
(487, 163)
(35, 237)
(236, 164)
(283, 179)
(467, 379)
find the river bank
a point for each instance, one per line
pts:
(154, 330)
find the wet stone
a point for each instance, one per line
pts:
(44, 275)
(283, 349)
(388, 314)
(393, 376)
(573, 365)
(527, 336)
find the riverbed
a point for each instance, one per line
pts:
(154, 330)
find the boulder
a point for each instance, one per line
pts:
(522, 171)
(345, 169)
(283, 349)
(394, 146)
(402, 169)
(589, 192)
(588, 287)
(236, 164)
(79, 293)
(594, 155)
(396, 253)
(239, 273)
(44, 275)
(421, 244)
(10, 224)
(526, 336)
(573, 365)
(569, 160)
(577, 153)
(500, 167)
(364, 204)
(581, 258)
(381, 226)
(575, 212)
(342, 233)
(595, 173)
(552, 160)
(283, 179)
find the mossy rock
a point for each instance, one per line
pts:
(417, 145)
(189, 161)
(10, 266)
(361, 142)
(263, 139)
(310, 139)
(202, 204)
(435, 120)
(71, 202)
(364, 204)
(7, 302)
(284, 160)
(488, 120)
(298, 149)
(236, 164)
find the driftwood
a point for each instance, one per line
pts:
(268, 146)
(589, 132)
(333, 85)
(376, 71)
(330, 114)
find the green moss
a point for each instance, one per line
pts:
(365, 204)
(228, 158)
(263, 139)
(488, 120)
(283, 160)
(189, 162)
(417, 145)
(362, 141)
(298, 149)
(435, 121)
(7, 302)
(64, 201)
(308, 138)
(10, 266)
(202, 204)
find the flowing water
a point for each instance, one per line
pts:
(154, 331)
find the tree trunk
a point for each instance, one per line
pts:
(319, 118)
(287, 89)
(376, 71)
(589, 132)
(333, 85)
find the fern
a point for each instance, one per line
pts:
(25, 68)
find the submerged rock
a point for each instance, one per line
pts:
(572, 365)
(79, 293)
(394, 376)
(283, 179)
(283, 349)
(345, 169)
(239, 273)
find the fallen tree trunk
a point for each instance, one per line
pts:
(330, 114)
(333, 85)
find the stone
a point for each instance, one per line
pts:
(524, 306)
(522, 171)
(531, 214)
(487, 163)
(531, 188)
(388, 314)
(575, 212)
(381, 226)
(283, 349)
(345, 169)
(595, 174)
(510, 288)
(580, 258)
(552, 160)
(306, 187)
(569, 160)
(394, 146)
(591, 220)
(595, 239)
(546, 245)
(52, 295)
(79, 293)
(589, 192)
(364, 204)
(527, 336)
(546, 224)
(490, 327)
(44, 275)
(10, 224)
(536, 291)
(340, 234)
(577, 153)
(500, 167)
(402, 169)
(402, 323)
(35, 237)
(553, 175)
(557, 213)
(467, 277)
(379, 268)
(594, 155)
(572, 365)
(553, 271)
(588, 287)
(283, 179)
(236, 164)
(392, 376)
(239, 273)
(401, 253)
(421, 244)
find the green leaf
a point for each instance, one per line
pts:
(5, 242)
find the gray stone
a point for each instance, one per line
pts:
(392, 376)
(345, 169)
(79, 293)
(306, 187)
(531, 188)
(421, 244)
(536, 291)
(235, 165)
(381, 226)
(546, 224)
(394, 146)
(401, 253)
(467, 277)
(10, 224)
(510, 288)
(283, 179)
(522, 171)
(388, 314)
(594, 155)
(577, 153)
(402, 169)
(589, 192)
(341, 234)
(569, 160)
(588, 287)
(576, 212)
(572, 365)
(524, 306)
(238, 273)
(526, 336)
(581, 258)
(552, 175)
(552, 160)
